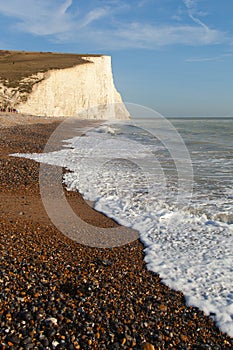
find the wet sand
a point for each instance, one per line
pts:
(58, 294)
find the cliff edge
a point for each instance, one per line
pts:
(48, 84)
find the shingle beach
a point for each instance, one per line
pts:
(58, 294)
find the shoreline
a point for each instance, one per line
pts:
(58, 293)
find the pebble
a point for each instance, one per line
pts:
(58, 294)
(147, 346)
(55, 343)
(52, 320)
(26, 340)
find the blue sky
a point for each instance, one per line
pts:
(175, 56)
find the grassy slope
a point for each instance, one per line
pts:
(16, 65)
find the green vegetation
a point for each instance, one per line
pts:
(17, 65)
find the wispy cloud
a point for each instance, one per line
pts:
(192, 11)
(65, 6)
(108, 24)
(40, 18)
(93, 16)
(210, 58)
(146, 35)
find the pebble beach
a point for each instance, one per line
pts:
(58, 294)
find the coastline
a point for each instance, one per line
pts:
(100, 298)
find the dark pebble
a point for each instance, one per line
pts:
(101, 298)
(45, 342)
(27, 340)
(28, 346)
(13, 339)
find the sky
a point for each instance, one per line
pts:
(174, 56)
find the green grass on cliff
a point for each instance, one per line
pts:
(16, 65)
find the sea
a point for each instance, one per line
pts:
(172, 181)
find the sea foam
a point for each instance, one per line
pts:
(190, 247)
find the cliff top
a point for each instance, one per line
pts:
(17, 65)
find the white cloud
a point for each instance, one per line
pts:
(49, 17)
(192, 11)
(65, 6)
(140, 36)
(209, 59)
(190, 3)
(107, 25)
(94, 15)
(39, 17)
(147, 35)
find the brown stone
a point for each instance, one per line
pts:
(147, 346)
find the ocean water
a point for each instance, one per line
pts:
(173, 182)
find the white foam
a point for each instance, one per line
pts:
(191, 249)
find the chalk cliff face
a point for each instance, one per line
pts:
(84, 91)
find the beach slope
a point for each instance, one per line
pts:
(59, 294)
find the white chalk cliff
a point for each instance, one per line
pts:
(84, 91)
